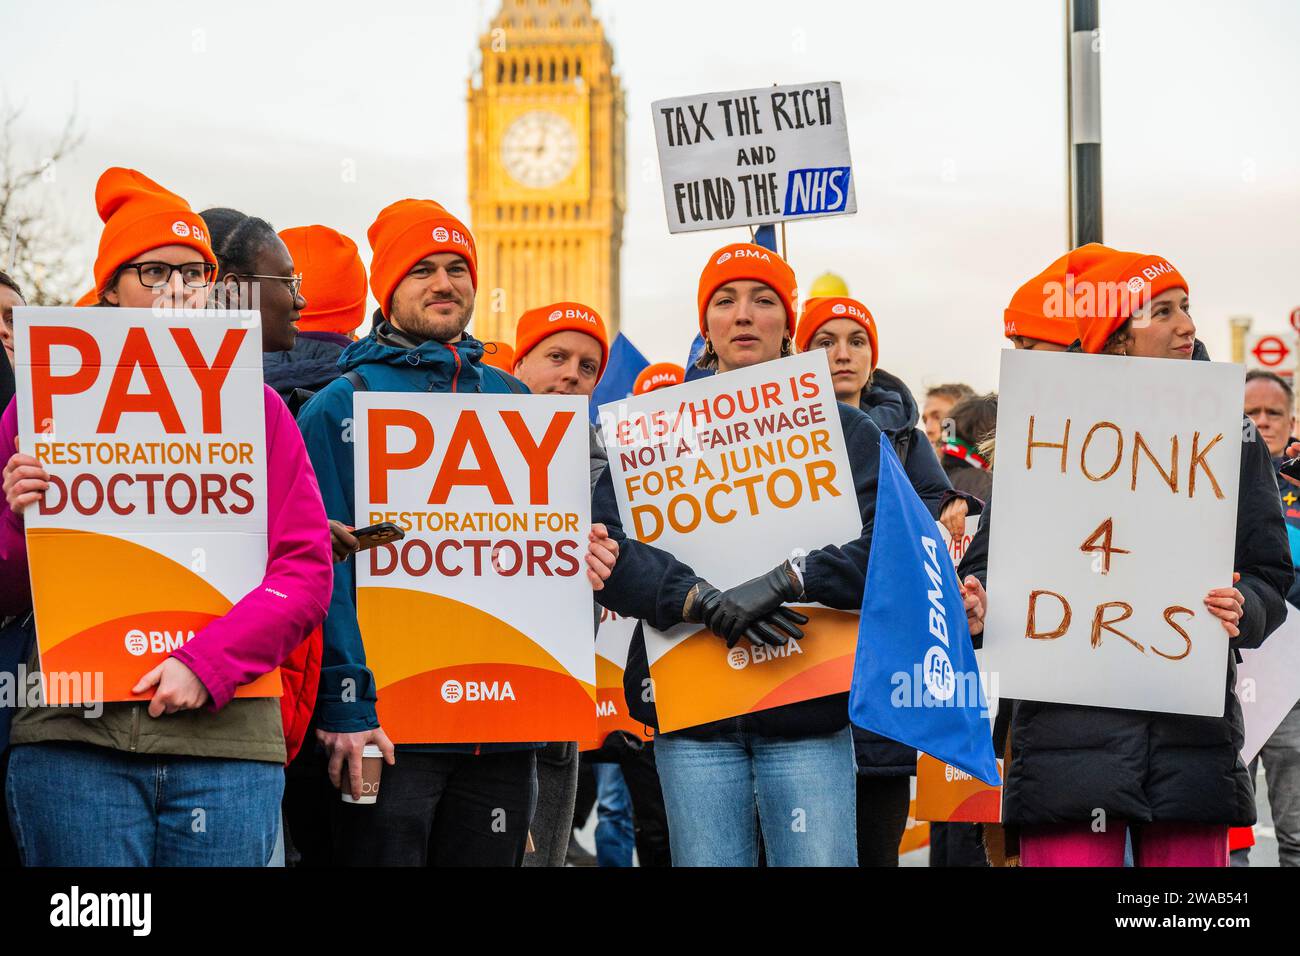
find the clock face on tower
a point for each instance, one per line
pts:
(539, 149)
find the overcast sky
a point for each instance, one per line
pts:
(955, 112)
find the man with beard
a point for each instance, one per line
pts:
(441, 804)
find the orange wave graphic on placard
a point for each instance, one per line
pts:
(611, 706)
(416, 642)
(79, 577)
(939, 799)
(510, 703)
(695, 684)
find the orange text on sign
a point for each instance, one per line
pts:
(137, 354)
(466, 435)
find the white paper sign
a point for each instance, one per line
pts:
(754, 156)
(1116, 483)
(1268, 683)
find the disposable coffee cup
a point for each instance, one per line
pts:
(372, 765)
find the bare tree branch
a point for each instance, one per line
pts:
(36, 243)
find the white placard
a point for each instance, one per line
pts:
(1130, 525)
(478, 624)
(734, 474)
(151, 426)
(748, 157)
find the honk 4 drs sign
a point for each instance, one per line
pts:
(152, 428)
(1116, 489)
(478, 624)
(734, 474)
(754, 156)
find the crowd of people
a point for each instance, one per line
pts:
(122, 789)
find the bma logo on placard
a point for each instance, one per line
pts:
(453, 691)
(811, 191)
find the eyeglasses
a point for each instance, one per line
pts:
(294, 282)
(156, 275)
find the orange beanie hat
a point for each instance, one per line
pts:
(538, 324)
(333, 279)
(744, 260)
(657, 376)
(407, 231)
(817, 312)
(1109, 286)
(140, 215)
(499, 355)
(1037, 311)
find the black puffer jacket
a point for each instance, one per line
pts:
(650, 584)
(1068, 761)
(890, 404)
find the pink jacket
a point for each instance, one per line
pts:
(265, 625)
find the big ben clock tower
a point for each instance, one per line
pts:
(546, 164)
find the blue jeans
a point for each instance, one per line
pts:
(801, 791)
(615, 832)
(79, 805)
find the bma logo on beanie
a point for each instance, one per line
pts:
(180, 228)
(1136, 284)
(454, 236)
(723, 258)
(751, 254)
(838, 308)
(1157, 269)
(580, 315)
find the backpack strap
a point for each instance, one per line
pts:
(358, 383)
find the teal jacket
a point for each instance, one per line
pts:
(384, 367)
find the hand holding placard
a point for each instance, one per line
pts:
(25, 481)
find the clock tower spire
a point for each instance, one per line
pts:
(546, 164)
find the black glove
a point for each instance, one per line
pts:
(701, 603)
(754, 609)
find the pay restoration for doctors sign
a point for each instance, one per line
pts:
(750, 157)
(152, 429)
(478, 625)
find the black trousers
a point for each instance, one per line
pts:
(957, 844)
(882, 818)
(442, 810)
(8, 845)
(309, 798)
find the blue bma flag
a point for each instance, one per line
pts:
(692, 370)
(915, 678)
(624, 365)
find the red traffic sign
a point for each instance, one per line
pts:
(1295, 318)
(1271, 351)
